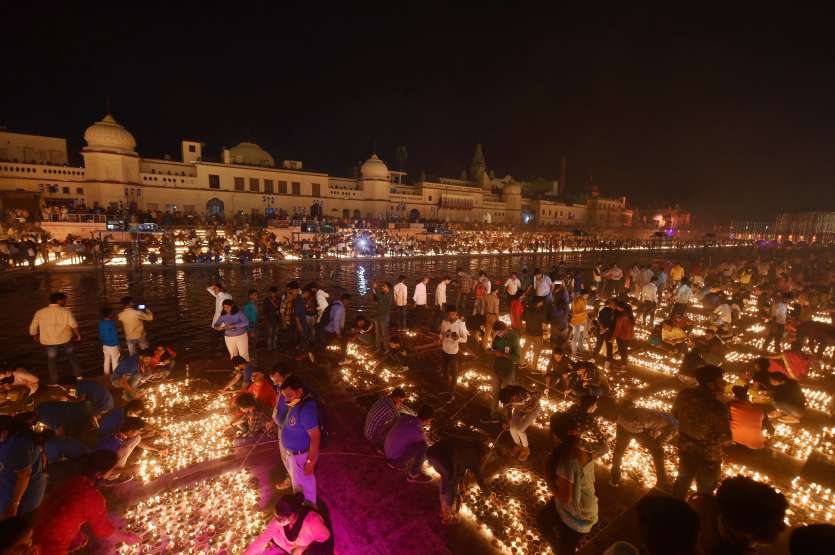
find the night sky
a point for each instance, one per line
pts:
(730, 115)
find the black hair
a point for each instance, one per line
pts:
(401, 277)
(126, 300)
(136, 405)
(98, 462)
(762, 363)
(499, 325)
(708, 374)
(740, 392)
(132, 424)
(778, 377)
(230, 302)
(251, 291)
(425, 412)
(293, 382)
(506, 394)
(293, 285)
(397, 393)
(667, 525)
(146, 353)
(563, 425)
(57, 297)
(238, 359)
(67, 379)
(106, 312)
(290, 504)
(245, 401)
(273, 289)
(814, 539)
(345, 297)
(752, 507)
(453, 308)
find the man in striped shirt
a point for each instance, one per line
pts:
(381, 414)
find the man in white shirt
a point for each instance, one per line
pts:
(648, 301)
(401, 300)
(322, 297)
(216, 290)
(512, 285)
(54, 327)
(133, 321)
(681, 298)
(440, 293)
(419, 296)
(777, 323)
(453, 333)
(542, 283)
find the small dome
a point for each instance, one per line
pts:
(108, 136)
(374, 168)
(251, 154)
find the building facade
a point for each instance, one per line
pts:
(247, 180)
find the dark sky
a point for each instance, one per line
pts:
(727, 114)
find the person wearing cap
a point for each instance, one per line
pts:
(381, 415)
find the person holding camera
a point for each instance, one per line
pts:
(133, 318)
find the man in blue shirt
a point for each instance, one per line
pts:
(96, 397)
(69, 419)
(405, 444)
(129, 374)
(112, 421)
(123, 442)
(22, 477)
(297, 418)
(241, 372)
(109, 340)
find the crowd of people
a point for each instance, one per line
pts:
(581, 319)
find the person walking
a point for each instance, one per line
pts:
(419, 296)
(55, 327)
(491, 316)
(453, 333)
(383, 299)
(133, 320)
(109, 340)
(401, 302)
(506, 353)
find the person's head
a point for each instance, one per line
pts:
(537, 272)
(345, 298)
(710, 378)
(750, 512)
(557, 352)
(160, 349)
(229, 307)
(424, 280)
(386, 287)
(135, 408)
(16, 536)
(500, 328)
(740, 392)
(401, 278)
(293, 286)
(216, 287)
(292, 389)
(814, 539)
(667, 526)
(273, 291)
(452, 313)
(106, 313)
(68, 382)
(252, 295)
(239, 362)
(397, 396)
(761, 364)
(245, 402)
(612, 303)
(58, 298)
(288, 508)
(424, 414)
(258, 376)
(132, 426)
(127, 301)
(777, 378)
(510, 394)
(98, 463)
(278, 373)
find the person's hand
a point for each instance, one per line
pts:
(308, 468)
(36, 338)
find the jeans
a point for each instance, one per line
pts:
(447, 488)
(578, 342)
(112, 354)
(622, 439)
(52, 354)
(694, 465)
(273, 329)
(563, 540)
(450, 369)
(132, 343)
(500, 381)
(400, 317)
(381, 332)
(414, 453)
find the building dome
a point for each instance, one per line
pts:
(374, 168)
(251, 154)
(108, 136)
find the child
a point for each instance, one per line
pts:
(109, 340)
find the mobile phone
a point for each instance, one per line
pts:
(140, 306)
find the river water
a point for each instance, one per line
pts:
(183, 308)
